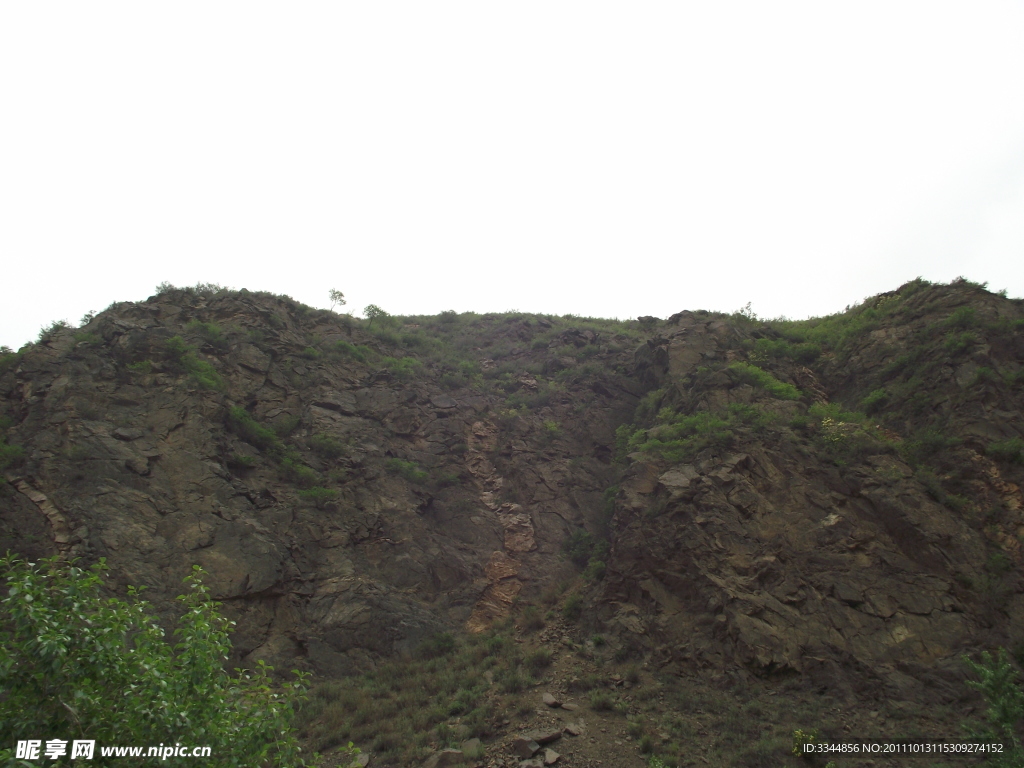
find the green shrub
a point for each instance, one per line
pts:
(998, 683)
(360, 353)
(751, 415)
(680, 437)
(10, 455)
(532, 619)
(623, 438)
(623, 652)
(198, 290)
(185, 358)
(648, 406)
(933, 485)
(1011, 450)
(801, 739)
(757, 377)
(846, 436)
(326, 446)
(144, 367)
(805, 352)
(513, 681)
(595, 570)
(409, 470)
(446, 480)
(985, 375)
(285, 425)
(451, 381)
(211, 334)
(312, 353)
(437, 646)
(956, 343)
(601, 702)
(579, 546)
(998, 563)
(539, 659)
(296, 472)
(241, 461)
(962, 318)
(875, 401)
(8, 359)
(318, 495)
(776, 349)
(84, 337)
(572, 610)
(607, 510)
(246, 427)
(402, 367)
(73, 661)
(924, 445)
(47, 332)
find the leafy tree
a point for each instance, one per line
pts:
(999, 684)
(337, 298)
(372, 311)
(76, 665)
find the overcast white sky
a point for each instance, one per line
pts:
(601, 158)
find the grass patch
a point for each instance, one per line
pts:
(9, 359)
(210, 333)
(241, 422)
(875, 400)
(269, 441)
(758, 377)
(345, 350)
(327, 447)
(242, 461)
(1011, 450)
(142, 367)
(439, 645)
(538, 659)
(402, 367)
(679, 437)
(925, 445)
(572, 609)
(318, 495)
(10, 455)
(184, 357)
(408, 470)
(532, 619)
(763, 350)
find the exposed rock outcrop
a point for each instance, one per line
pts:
(347, 503)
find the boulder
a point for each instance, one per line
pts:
(525, 747)
(546, 736)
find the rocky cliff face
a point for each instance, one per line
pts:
(340, 509)
(837, 499)
(863, 550)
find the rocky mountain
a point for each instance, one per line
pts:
(829, 506)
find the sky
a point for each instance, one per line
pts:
(609, 159)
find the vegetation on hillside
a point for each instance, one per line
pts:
(530, 376)
(76, 664)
